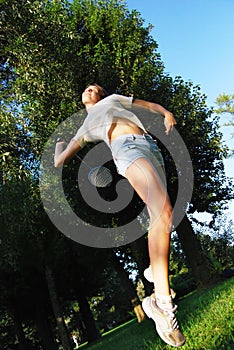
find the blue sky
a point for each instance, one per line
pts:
(196, 41)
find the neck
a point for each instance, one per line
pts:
(88, 106)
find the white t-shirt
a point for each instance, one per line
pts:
(100, 117)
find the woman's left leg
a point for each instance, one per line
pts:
(147, 183)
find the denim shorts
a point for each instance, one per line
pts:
(128, 148)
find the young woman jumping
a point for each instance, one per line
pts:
(139, 160)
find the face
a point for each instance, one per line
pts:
(90, 95)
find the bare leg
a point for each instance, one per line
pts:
(146, 182)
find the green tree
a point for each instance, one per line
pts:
(225, 104)
(21, 277)
(211, 189)
(219, 242)
(52, 50)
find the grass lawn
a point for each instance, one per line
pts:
(206, 318)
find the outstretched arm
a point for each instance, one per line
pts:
(64, 153)
(169, 120)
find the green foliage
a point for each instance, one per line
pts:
(201, 134)
(56, 49)
(225, 104)
(219, 243)
(177, 258)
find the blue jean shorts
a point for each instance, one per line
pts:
(128, 148)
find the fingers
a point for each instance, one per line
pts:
(169, 122)
(169, 129)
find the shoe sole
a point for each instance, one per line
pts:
(146, 307)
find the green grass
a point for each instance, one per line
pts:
(206, 318)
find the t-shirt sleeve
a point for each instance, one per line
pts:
(80, 136)
(126, 101)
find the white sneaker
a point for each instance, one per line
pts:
(165, 321)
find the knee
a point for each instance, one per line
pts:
(163, 219)
(166, 219)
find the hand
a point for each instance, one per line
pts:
(59, 140)
(169, 122)
(60, 145)
(64, 152)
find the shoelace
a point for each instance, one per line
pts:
(173, 320)
(171, 314)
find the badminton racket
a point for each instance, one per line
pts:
(98, 176)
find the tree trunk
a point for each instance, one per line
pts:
(91, 332)
(129, 288)
(202, 268)
(44, 329)
(62, 329)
